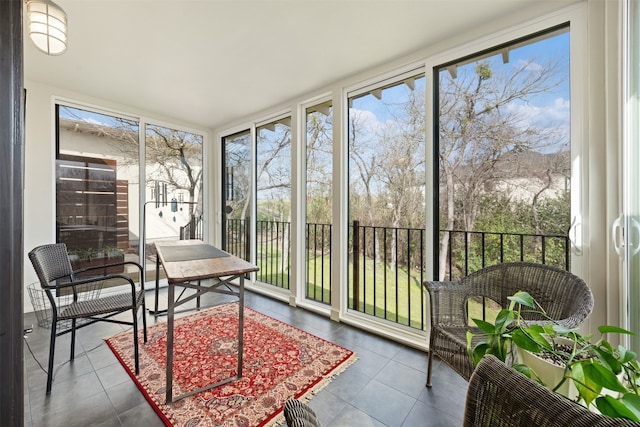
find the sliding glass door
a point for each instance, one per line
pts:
(237, 191)
(630, 247)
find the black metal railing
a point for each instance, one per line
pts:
(468, 251)
(193, 229)
(387, 268)
(237, 241)
(273, 255)
(318, 262)
(387, 265)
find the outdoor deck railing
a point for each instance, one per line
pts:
(387, 265)
(193, 229)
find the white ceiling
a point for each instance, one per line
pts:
(209, 62)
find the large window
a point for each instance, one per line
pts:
(273, 201)
(386, 152)
(501, 179)
(504, 156)
(319, 178)
(97, 186)
(173, 195)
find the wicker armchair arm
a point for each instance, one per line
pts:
(448, 302)
(435, 286)
(101, 267)
(61, 285)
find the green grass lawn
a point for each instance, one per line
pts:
(394, 295)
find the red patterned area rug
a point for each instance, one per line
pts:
(280, 362)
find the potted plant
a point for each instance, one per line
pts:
(605, 377)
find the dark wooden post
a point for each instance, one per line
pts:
(247, 238)
(356, 265)
(11, 194)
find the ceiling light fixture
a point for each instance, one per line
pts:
(47, 26)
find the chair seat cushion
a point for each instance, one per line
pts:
(103, 305)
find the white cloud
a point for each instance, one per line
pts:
(528, 65)
(93, 121)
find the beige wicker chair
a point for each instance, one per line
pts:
(499, 396)
(52, 265)
(565, 297)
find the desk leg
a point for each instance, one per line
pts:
(157, 284)
(156, 311)
(170, 314)
(240, 325)
(198, 297)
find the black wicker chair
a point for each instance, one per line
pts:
(499, 396)
(52, 265)
(564, 296)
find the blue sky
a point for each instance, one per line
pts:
(550, 109)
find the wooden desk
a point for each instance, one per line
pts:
(186, 263)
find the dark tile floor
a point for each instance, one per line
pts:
(385, 387)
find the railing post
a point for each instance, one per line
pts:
(247, 237)
(192, 227)
(567, 253)
(356, 265)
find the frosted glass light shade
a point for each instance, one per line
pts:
(47, 26)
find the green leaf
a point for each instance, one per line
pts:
(539, 337)
(610, 406)
(478, 352)
(558, 329)
(525, 341)
(503, 320)
(603, 329)
(485, 326)
(523, 369)
(626, 355)
(537, 328)
(632, 402)
(523, 298)
(605, 377)
(582, 374)
(550, 329)
(498, 346)
(609, 360)
(607, 406)
(606, 345)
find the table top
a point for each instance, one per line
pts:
(191, 260)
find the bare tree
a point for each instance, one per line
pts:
(477, 128)
(274, 178)
(365, 162)
(402, 172)
(176, 157)
(319, 167)
(172, 156)
(238, 186)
